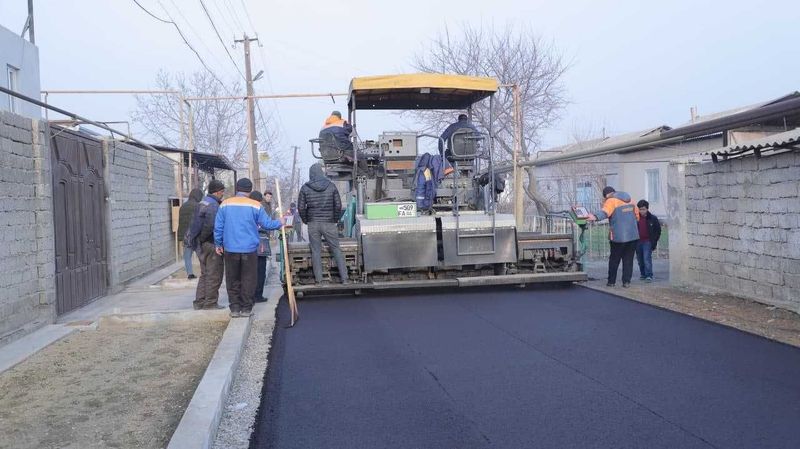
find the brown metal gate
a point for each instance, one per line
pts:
(79, 219)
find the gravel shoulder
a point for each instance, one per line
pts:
(239, 417)
(122, 386)
(739, 313)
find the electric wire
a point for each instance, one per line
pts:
(216, 31)
(183, 37)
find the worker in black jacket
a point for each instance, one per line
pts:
(185, 215)
(201, 238)
(649, 233)
(320, 209)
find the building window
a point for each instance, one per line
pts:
(13, 84)
(652, 185)
(583, 193)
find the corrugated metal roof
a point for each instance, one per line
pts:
(729, 112)
(619, 138)
(778, 140)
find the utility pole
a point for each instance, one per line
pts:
(29, 25)
(294, 173)
(255, 176)
(519, 209)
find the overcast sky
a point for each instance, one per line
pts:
(635, 64)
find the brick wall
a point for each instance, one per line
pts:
(742, 226)
(140, 184)
(27, 286)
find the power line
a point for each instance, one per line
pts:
(213, 25)
(272, 89)
(189, 23)
(183, 37)
(229, 13)
(235, 15)
(247, 15)
(221, 13)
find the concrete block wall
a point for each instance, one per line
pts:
(742, 226)
(139, 185)
(27, 266)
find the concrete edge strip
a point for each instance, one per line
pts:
(18, 351)
(200, 421)
(118, 319)
(154, 277)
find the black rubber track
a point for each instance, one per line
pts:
(543, 368)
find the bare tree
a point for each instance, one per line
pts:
(579, 182)
(220, 126)
(514, 56)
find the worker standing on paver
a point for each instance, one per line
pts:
(320, 209)
(185, 216)
(201, 238)
(236, 239)
(623, 230)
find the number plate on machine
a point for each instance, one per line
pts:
(407, 210)
(377, 211)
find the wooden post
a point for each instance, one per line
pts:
(519, 210)
(286, 269)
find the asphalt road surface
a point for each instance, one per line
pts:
(544, 368)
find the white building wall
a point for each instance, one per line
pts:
(20, 54)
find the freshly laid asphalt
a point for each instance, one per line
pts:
(542, 368)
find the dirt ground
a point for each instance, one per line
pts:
(115, 387)
(743, 314)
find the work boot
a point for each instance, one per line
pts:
(213, 307)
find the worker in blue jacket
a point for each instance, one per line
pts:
(236, 238)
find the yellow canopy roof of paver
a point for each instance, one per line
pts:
(419, 91)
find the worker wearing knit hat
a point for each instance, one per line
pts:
(244, 185)
(236, 238)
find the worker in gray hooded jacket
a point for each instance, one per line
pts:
(623, 232)
(320, 209)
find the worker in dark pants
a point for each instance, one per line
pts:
(236, 239)
(201, 238)
(320, 209)
(623, 228)
(185, 216)
(263, 252)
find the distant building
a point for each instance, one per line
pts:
(19, 65)
(643, 172)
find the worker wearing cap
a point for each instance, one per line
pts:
(623, 218)
(236, 239)
(201, 238)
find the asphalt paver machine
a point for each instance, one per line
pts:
(460, 240)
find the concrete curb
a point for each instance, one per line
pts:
(123, 319)
(199, 423)
(16, 352)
